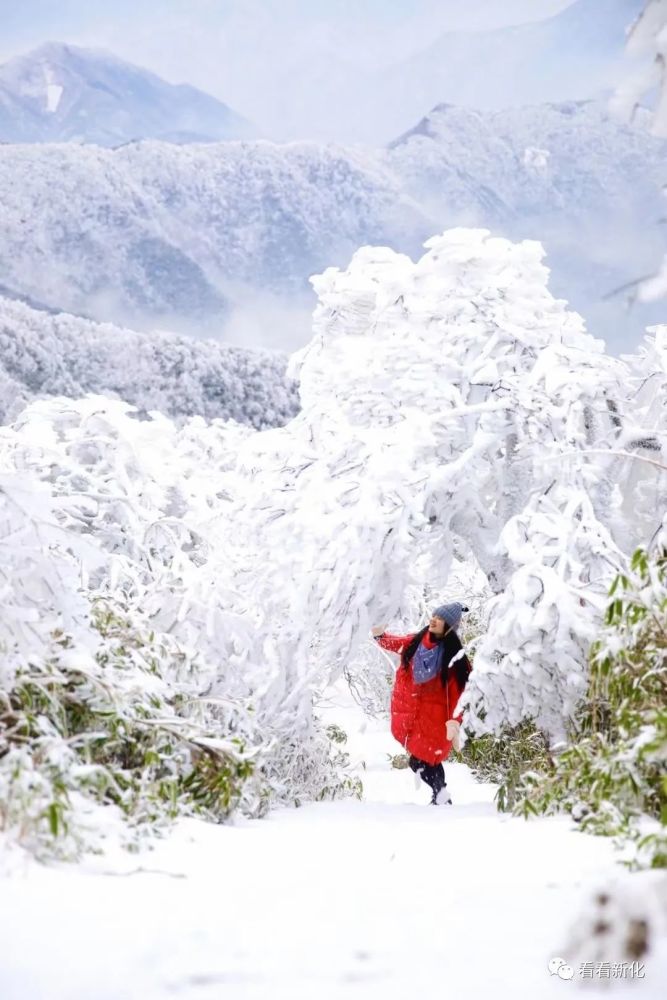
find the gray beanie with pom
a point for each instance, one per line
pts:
(451, 613)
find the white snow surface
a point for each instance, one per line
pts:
(381, 898)
(53, 94)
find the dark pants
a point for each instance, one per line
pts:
(432, 774)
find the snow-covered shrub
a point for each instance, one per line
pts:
(124, 728)
(612, 774)
(97, 702)
(126, 667)
(504, 758)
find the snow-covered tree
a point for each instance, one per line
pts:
(124, 671)
(447, 401)
(44, 354)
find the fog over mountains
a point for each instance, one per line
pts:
(180, 236)
(573, 55)
(153, 232)
(220, 238)
(352, 83)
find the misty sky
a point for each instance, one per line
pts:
(265, 58)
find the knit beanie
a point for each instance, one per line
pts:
(451, 613)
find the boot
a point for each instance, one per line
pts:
(416, 768)
(441, 798)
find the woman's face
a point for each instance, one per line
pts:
(437, 625)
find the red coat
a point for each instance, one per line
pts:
(419, 712)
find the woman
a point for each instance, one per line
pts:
(433, 673)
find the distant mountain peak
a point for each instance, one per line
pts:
(447, 119)
(575, 54)
(62, 93)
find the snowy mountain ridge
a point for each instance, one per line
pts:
(155, 234)
(63, 93)
(60, 92)
(571, 175)
(588, 153)
(43, 355)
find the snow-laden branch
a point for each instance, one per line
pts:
(448, 402)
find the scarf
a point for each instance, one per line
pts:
(426, 662)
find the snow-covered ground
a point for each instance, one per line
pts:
(383, 898)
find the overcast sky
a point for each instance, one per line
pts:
(143, 25)
(261, 56)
